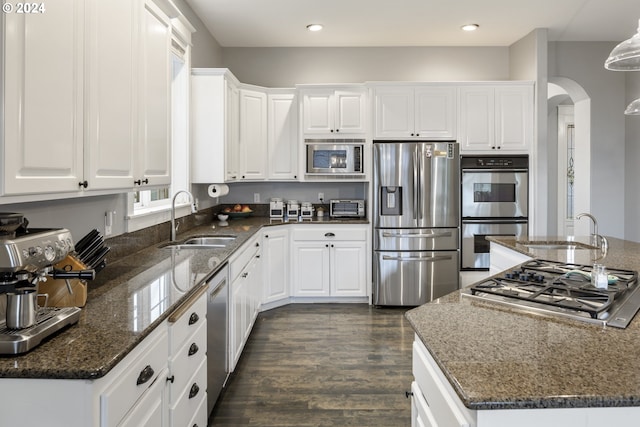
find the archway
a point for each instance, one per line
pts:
(560, 89)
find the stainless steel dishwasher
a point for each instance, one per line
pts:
(217, 335)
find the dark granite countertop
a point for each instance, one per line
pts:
(497, 358)
(141, 292)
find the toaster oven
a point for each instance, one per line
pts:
(346, 208)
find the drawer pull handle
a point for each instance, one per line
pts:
(193, 349)
(145, 375)
(194, 391)
(329, 235)
(193, 318)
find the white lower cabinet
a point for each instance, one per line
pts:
(329, 261)
(187, 377)
(275, 265)
(245, 296)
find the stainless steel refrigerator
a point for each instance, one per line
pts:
(416, 221)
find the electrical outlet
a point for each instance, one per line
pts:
(108, 222)
(321, 197)
(256, 197)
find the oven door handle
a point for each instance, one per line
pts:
(417, 258)
(496, 221)
(466, 170)
(432, 235)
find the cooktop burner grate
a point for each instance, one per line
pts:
(563, 288)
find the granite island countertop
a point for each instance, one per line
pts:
(498, 358)
(139, 293)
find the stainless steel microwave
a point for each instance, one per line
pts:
(335, 158)
(346, 208)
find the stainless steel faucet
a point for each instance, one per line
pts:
(596, 239)
(595, 222)
(173, 211)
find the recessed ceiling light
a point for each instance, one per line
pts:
(314, 27)
(470, 27)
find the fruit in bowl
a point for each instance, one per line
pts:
(238, 211)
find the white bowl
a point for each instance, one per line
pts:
(223, 217)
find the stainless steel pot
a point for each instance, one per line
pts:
(22, 306)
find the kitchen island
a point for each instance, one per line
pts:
(507, 367)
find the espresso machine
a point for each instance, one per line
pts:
(27, 257)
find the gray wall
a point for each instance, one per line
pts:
(285, 67)
(583, 63)
(632, 162)
(205, 52)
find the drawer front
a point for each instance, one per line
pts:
(329, 233)
(143, 372)
(187, 324)
(148, 411)
(445, 406)
(246, 254)
(183, 365)
(420, 412)
(200, 418)
(190, 400)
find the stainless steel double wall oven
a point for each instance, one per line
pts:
(416, 221)
(495, 192)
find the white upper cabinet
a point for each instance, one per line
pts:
(215, 126)
(154, 147)
(496, 117)
(253, 135)
(282, 136)
(333, 111)
(86, 101)
(111, 123)
(420, 112)
(43, 100)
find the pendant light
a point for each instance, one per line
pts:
(633, 109)
(625, 56)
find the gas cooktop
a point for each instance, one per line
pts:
(563, 289)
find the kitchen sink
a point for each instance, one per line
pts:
(202, 242)
(557, 245)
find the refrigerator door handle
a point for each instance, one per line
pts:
(416, 258)
(432, 235)
(416, 190)
(420, 179)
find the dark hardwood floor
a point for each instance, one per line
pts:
(322, 365)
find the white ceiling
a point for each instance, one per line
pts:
(281, 23)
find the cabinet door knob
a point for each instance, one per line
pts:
(83, 184)
(171, 379)
(337, 130)
(408, 394)
(194, 391)
(193, 318)
(145, 181)
(193, 349)
(137, 182)
(145, 375)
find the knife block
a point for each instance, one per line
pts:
(59, 295)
